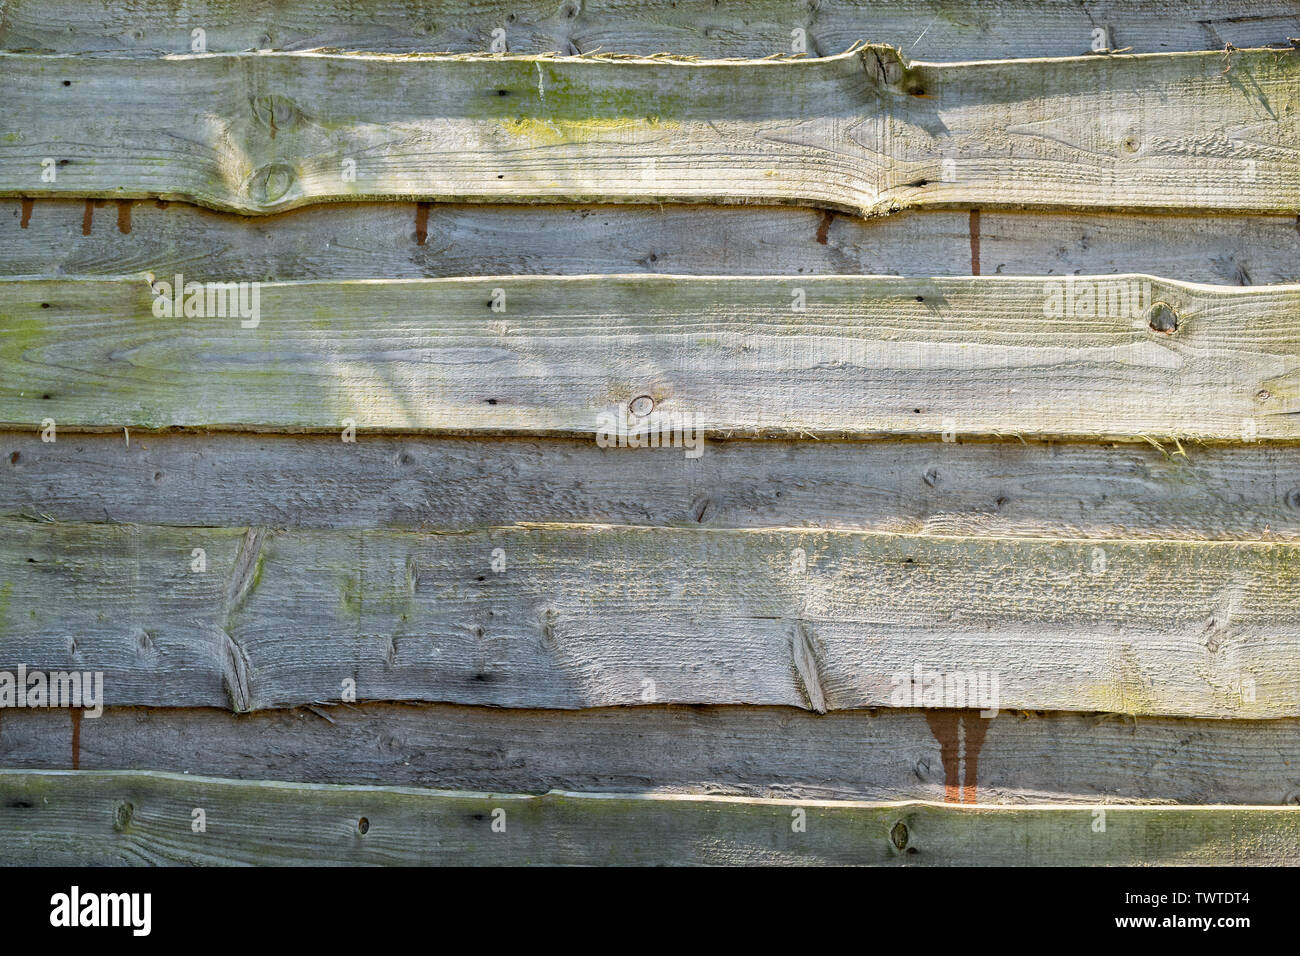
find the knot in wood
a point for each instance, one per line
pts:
(271, 183)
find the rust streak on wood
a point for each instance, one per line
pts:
(974, 242)
(27, 214)
(976, 728)
(421, 222)
(824, 226)
(124, 216)
(944, 725)
(961, 735)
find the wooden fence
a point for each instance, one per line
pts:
(650, 432)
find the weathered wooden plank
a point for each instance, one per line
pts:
(591, 616)
(602, 356)
(965, 29)
(862, 132)
(1000, 488)
(389, 240)
(404, 240)
(891, 754)
(147, 818)
(1222, 250)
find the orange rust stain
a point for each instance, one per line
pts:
(943, 724)
(76, 737)
(825, 226)
(421, 222)
(976, 727)
(960, 734)
(88, 217)
(124, 216)
(27, 214)
(974, 242)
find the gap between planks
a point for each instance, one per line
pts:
(885, 754)
(432, 240)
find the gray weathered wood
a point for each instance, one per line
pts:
(85, 818)
(1000, 488)
(591, 616)
(398, 240)
(743, 751)
(1221, 250)
(862, 132)
(870, 357)
(954, 30)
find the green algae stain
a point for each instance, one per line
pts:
(550, 131)
(350, 597)
(548, 94)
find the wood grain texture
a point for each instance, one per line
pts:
(139, 818)
(410, 241)
(966, 488)
(869, 357)
(862, 132)
(592, 616)
(890, 754)
(954, 30)
(1222, 250)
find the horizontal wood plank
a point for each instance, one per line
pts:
(571, 617)
(968, 488)
(606, 356)
(84, 818)
(413, 241)
(888, 754)
(863, 132)
(959, 30)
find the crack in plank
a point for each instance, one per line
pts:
(803, 649)
(236, 669)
